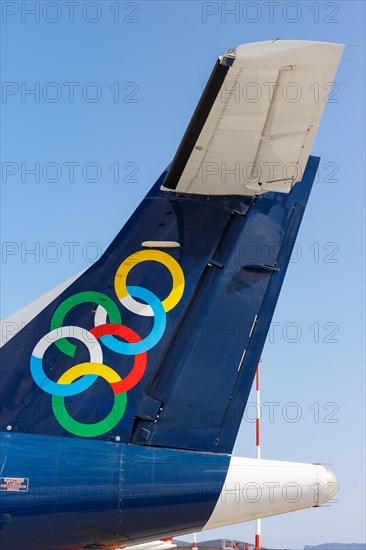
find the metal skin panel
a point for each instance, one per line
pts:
(73, 494)
(256, 488)
(175, 492)
(83, 493)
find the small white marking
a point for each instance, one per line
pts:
(3, 466)
(160, 244)
(9, 428)
(253, 325)
(241, 360)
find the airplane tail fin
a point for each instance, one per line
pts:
(157, 343)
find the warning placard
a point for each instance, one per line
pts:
(14, 484)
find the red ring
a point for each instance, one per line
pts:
(139, 366)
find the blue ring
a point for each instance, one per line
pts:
(156, 333)
(53, 388)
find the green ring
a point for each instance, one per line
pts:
(81, 297)
(88, 430)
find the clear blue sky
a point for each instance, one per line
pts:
(115, 85)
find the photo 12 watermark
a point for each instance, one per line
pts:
(29, 12)
(69, 92)
(290, 332)
(69, 172)
(270, 12)
(291, 92)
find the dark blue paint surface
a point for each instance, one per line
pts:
(94, 492)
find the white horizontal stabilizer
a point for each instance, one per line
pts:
(267, 102)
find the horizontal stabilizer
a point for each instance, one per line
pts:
(255, 124)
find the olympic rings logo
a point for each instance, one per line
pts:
(109, 331)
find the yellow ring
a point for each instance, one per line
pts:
(89, 368)
(120, 281)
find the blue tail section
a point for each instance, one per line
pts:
(99, 494)
(158, 342)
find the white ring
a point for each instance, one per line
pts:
(86, 337)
